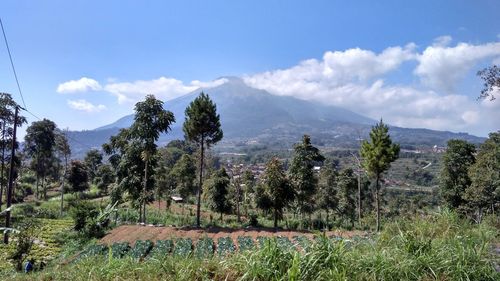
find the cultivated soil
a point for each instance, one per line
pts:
(132, 233)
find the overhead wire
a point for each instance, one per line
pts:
(12, 63)
(19, 87)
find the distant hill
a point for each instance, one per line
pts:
(249, 114)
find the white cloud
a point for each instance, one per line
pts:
(441, 67)
(343, 79)
(83, 84)
(442, 41)
(163, 88)
(86, 106)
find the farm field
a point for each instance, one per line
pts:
(132, 233)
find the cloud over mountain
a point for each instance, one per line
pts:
(363, 81)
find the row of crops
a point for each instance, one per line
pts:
(45, 247)
(203, 248)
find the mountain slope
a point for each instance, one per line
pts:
(249, 113)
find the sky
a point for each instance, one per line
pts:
(84, 64)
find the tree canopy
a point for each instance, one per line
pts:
(378, 153)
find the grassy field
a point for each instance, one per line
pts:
(436, 247)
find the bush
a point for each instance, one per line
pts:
(225, 246)
(204, 248)
(120, 249)
(162, 248)
(141, 249)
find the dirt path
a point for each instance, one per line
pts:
(132, 233)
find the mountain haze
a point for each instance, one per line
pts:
(251, 114)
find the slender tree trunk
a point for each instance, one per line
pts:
(275, 218)
(238, 201)
(221, 218)
(198, 203)
(62, 185)
(44, 187)
(144, 190)
(327, 219)
(377, 202)
(37, 183)
(359, 196)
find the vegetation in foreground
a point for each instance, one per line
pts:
(436, 247)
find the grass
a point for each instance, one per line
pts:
(436, 247)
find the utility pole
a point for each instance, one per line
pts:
(3, 164)
(11, 178)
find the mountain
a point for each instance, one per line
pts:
(252, 114)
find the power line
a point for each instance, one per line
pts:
(19, 87)
(65, 134)
(12, 63)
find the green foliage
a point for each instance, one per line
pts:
(104, 178)
(162, 248)
(302, 175)
(78, 177)
(204, 248)
(184, 174)
(225, 246)
(326, 196)
(378, 154)
(141, 249)
(302, 241)
(202, 126)
(91, 251)
(216, 192)
(491, 78)
(39, 145)
(245, 243)
(484, 191)
(347, 186)
(183, 247)
(120, 249)
(27, 232)
(277, 188)
(454, 178)
(92, 161)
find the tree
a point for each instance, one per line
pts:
(484, 191)
(7, 108)
(64, 152)
(347, 185)
(216, 189)
(378, 154)
(184, 174)
(93, 160)
(104, 178)
(202, 126)
(248, 181)
(78, 177)
(491, 77)
(277, 188)
(149, 122)
(327, 193)
(302, 175)
(454, 177)
(39, 144)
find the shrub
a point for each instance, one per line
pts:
(225, 246)
(204, 248)
(120, 249)
(245, 243)
(162, 248)
(183, 247)
(141, 249)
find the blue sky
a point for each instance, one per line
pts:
(412, 63)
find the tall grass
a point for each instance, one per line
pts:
(437, 247)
